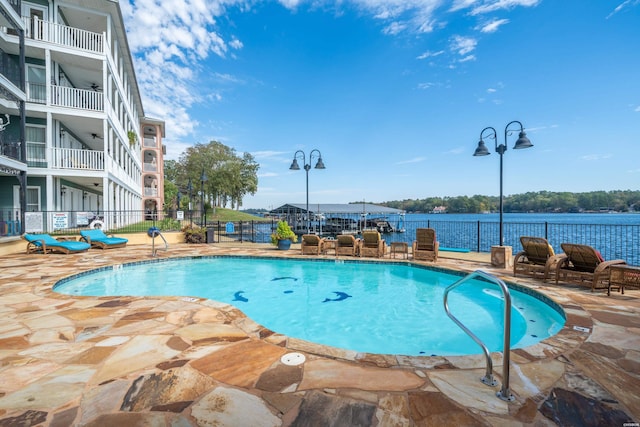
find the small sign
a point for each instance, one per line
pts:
(180, 215)
(60, 220)
(33, 222)
(82, 218)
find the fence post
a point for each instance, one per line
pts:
(478, 236)
(546, 230)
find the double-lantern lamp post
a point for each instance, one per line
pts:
(307, 166)
(522, 142)
(190, 190)
(203, 219)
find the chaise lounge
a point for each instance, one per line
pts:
(537, 259)
(44, 243)
(97, 239)
(584, 265)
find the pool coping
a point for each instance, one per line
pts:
(575, 331)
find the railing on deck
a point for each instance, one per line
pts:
(71, 97)
(63, 35)
(73, 158)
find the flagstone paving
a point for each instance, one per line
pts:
(160, 361)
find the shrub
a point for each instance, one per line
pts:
(194, 234)
(283, 232)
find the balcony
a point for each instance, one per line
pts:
(149, 141)
(63, 35)
(81, 99)
(71, 158)
(150, 167)
(11, 149)
(150, 192)
(69, 97)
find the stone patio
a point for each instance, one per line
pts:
(185, 361)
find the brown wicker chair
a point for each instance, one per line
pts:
(583, 265)
(425, 247)
(537, 259)
(346, 244)
(312, 244)
(372, 245)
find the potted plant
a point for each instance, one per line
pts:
(283, 236)
(133, 138)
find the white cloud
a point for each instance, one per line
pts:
(429, 54)
(493, 26)
(463, 45)
(623, 5)
(495, 5)
(594, 157)
(414, 160)
(266, 154)
(637, 109)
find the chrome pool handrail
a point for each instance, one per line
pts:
(504, 393)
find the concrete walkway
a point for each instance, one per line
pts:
(183, 361)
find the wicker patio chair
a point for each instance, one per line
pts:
(372, 244)
(312, 244)
(537, 259)
(584, 266)
(425, 247)
(346, 244)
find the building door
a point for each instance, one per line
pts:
(37, 17)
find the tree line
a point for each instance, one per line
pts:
(213, 169)
(541, 201)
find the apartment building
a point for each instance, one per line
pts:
(153, 152)
(82, 125)
(13, 165)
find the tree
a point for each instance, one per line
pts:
(228, 177)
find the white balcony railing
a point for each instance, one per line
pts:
(150, 192)
(149, 142)
(150, 167)
(63, 35)
(72, 158)
(82, 99)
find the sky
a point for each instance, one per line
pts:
(395, 94)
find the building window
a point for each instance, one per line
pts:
(36, 84)
(36, 146)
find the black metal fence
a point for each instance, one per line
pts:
(613, 241)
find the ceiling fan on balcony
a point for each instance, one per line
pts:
(95, 135)
(94, 87)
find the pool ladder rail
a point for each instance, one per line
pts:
(488, 379)
(153, 234)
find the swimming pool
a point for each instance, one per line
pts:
(386, 308)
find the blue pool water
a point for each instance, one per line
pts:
(367, 307)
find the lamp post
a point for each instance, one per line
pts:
(190, 190)
(203, 219)
(307, 166)
(522, 142)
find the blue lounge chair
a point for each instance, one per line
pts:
(97, 239)
(44, 243)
